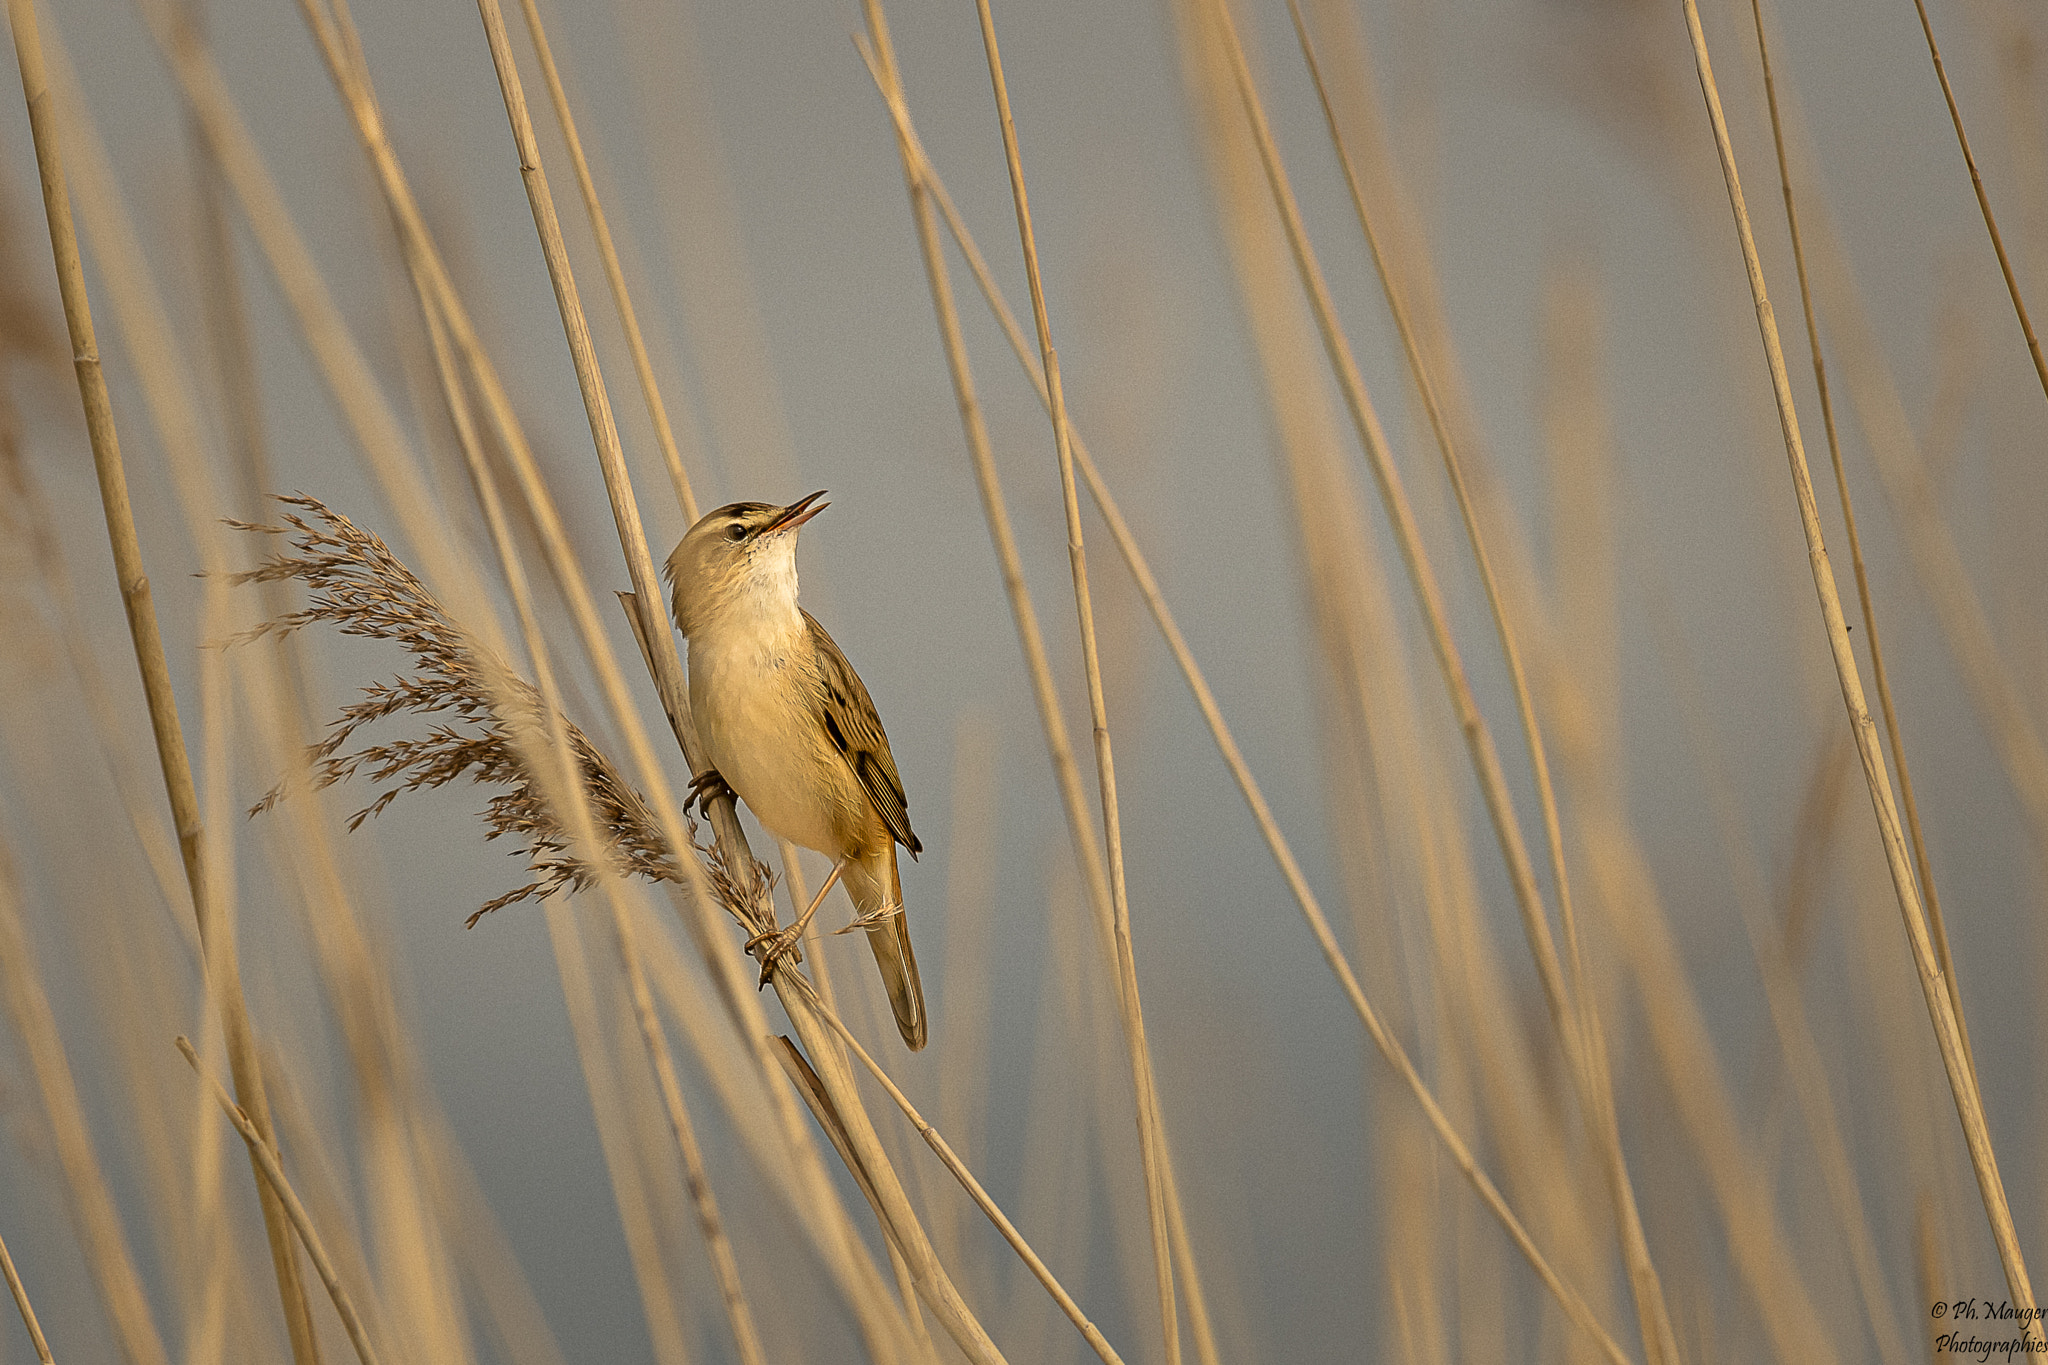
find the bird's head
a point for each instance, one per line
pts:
(742, 558)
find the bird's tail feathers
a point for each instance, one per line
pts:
(877, 893)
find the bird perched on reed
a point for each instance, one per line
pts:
(789, 729)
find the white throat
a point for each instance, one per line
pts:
(760, 608)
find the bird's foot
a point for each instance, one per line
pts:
(873, 919)
(705, 788)
(776, 944)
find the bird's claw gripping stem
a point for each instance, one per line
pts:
(705, 788)
(781, 943)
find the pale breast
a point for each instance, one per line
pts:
(761, 732)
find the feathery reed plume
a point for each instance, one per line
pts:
(355, 583)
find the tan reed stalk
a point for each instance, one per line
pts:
(1597, 1086)
(323, 1187)
(1053, 1176)
(1485, 758)
(2012, 284)
(1439, 426)
(1814, 835)
(614, 275)
(223, 970)
(24, 1307)
(995, 511)
(356, 393)
(1331, 549)
(512, 1316)
(568, 796)
(553, 759)
(1089, 1332)
(200, 1249)
(932, 1280)
(664, 1323)
(1681, 1041)
(338, 358)
(1922, 866)
(416, 1261)
(1578, 1031)
(926, 178)
(1583, 530)
(1929, 1265)
(1088, 848)
(806, 1082)
(1806, 1068)
(98, 1223)
(266, 1162)
(1957, 381)
(685, 1003)
(1948, 1036)
(1151, 1123)
(1764, 1262)
(705, 247)
(972, 832)
(131, 786)
(233, 357)
(1915, 502)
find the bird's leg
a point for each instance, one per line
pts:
(781, 941)
(705, 788)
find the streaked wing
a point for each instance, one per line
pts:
(856, 731)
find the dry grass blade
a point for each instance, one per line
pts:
(1575, 1025)
(1479, 741)
(266, 1162)
(631, 1197)
(614, 274)
(925, 182)
(21, 1304)
(1089, 1331)
(1947, 1032)
(91, 1204)
(1596, 1084)
(1805, 1065)
(1922, 865)
(1151, 1125)
(223, 972)
(1955, 117)
(568, 793)
(343, 367)
(931, 1277)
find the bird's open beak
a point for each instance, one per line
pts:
(796, 514)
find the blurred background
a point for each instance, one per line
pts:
(1545, 179)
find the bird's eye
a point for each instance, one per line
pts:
(736, 531)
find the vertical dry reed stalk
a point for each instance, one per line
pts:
(614, 274)
(1597, 1088)
(24, 1307)
(273, 1174)
(1922, 865)
(1955, 116)
(86, 1192)
(898, 1216)
(1151, 1123)
(223, 970)
(1941, 1011)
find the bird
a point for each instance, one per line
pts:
(788, 727)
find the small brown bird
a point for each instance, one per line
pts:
(789, 729)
